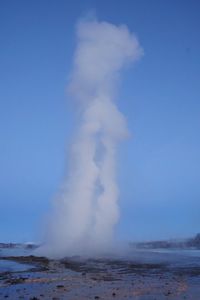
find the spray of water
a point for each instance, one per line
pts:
(86, 209)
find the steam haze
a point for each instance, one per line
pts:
(86, 209)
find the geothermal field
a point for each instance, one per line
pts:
(138, 274)
(105, 223)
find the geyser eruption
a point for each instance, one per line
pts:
(86, 209)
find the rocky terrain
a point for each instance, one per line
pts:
(81, 279)
(141, 274)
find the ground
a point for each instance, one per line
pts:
(78, 279)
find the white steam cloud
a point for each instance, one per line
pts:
(87, 208)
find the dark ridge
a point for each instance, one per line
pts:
(190, 243)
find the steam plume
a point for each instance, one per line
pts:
(87, 209)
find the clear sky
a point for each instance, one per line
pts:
(158, 166)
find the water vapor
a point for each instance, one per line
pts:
(86, 209)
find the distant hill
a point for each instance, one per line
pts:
(10, 245)
(194, 242)
(190, 243)
(18, 245)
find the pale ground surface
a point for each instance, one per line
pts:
(146, 276)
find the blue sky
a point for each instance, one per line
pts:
(158, 167)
